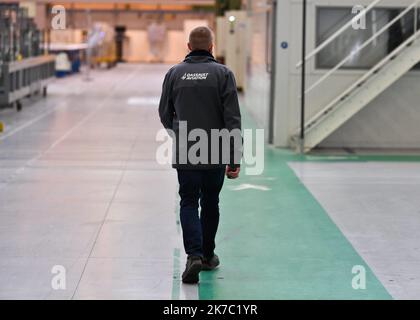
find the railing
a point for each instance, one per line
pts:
(361, 80)
(338, 32)
(412, 7)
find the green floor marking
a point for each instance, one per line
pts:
(176, 281)
(281, 244)
(176, 272)
(356, 158)
(177, 218)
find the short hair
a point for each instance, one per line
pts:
(201, 38)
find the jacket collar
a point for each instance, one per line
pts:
(199, 56)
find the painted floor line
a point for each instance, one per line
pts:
(31, 161)
(30, 123)
(287, 247)
(176, 281)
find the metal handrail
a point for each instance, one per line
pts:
(365, 44)
(338, 32)
(380, 20)
(359, 81)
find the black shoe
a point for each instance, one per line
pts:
(192, 269)
(211, 264)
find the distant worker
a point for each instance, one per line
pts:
(156, 34)
(200, 96)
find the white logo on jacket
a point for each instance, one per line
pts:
(195, 76)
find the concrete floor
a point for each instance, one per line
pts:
(80, 188)
(377, 207)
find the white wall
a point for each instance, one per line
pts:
(137, 46)
(390, 121)
(257, 88)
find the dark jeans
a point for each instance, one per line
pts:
(200, 186)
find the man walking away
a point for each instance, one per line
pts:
(201, 94)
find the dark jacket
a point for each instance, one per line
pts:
(203, 93)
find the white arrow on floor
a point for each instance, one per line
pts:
(250, 186)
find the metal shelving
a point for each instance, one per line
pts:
(24, 71)
(23, 78)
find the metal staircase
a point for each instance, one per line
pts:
(365, 89)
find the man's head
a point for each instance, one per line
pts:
(201, 38)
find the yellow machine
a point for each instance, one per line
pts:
(106, 54)
(102, 39)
